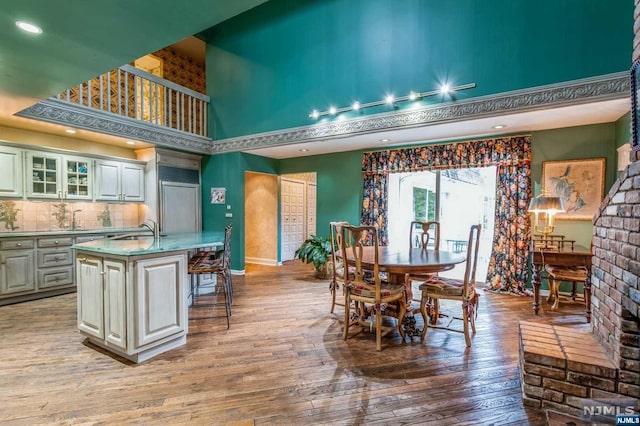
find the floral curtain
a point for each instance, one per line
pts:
(512, 155)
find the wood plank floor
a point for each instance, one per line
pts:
(282, 362)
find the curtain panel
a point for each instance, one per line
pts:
(511, 155)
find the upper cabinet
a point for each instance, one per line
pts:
(119, 181)
(47, 173)
(11, 166)
(58, 176)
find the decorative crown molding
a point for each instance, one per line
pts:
(596, 89)
(59, 112)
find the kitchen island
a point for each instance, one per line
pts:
(133, 292)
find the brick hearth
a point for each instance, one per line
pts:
(561, 366)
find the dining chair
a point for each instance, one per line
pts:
(218, 263)
(337, 264)
(420, 234)
(464, 291)
(368, 293)
(558, 273)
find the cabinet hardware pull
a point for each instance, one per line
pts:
(19, 244)
(55, 242)
(103, 273)
(82, 259)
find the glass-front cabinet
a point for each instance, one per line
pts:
(58, 176)
(77, 178)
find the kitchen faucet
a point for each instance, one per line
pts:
(151, 226)
(74, 224)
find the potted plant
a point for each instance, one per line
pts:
(316, 250)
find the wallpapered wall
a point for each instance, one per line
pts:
(182, 70)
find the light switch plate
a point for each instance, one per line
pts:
(228, 215)
(228, 206)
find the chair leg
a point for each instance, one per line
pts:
(574, 291)
(553, 288)
(347, 318)
(332, 288)
(465, 320)
(423, 312)
(402, 305)
(378, 329)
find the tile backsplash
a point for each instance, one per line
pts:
(41, 216)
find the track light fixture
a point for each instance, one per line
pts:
(390, 99)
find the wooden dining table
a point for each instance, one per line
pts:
(399, 261)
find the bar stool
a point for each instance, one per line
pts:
(210, 262)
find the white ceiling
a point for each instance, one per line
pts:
(578, 115)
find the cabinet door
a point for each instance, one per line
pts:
(43, 175)
(76, 178)
(159, 299)
(132, 182)
(115, 303)
(16, 275)
(108, 180)
(90, 295)
(11, 166)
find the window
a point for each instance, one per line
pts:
(457, 198)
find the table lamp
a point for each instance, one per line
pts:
(544, 209)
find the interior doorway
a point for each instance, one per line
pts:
(261, 218)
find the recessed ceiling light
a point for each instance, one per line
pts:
(71, 131)
(303, 150)
(28, 27)
(131, 143)
(499, 126)
(385, 140)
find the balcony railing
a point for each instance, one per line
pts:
(133, 93)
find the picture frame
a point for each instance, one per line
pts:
(579, 183)
(218, 195)
(635, 107)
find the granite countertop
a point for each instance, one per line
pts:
(70, 232)
(147, 244)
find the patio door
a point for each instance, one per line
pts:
(457, 198)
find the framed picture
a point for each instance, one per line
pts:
(580, 183)
(218, 195)
(635, 108)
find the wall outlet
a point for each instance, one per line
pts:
(228, 207)
(228, 215)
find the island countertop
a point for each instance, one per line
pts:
(143, 244)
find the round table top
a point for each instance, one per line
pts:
(397, 260)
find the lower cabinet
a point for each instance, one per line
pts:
(16, 274)
(134, 307)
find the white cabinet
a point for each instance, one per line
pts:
(101, 300)
(16, 272)
(119, 181)
(11, 166)
(58, 176)
(134, 307)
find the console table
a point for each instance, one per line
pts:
(561, 255)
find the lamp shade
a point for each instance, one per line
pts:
(546, 204)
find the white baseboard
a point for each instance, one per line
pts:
(261, 261)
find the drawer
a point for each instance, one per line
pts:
(85, 238)
(16, 244)
(55, 242)
(55, 277)
(54, 257)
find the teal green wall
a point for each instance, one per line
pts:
(269, 67)
(623, 130)
(573, 143)
(227, 171)
(339, 179)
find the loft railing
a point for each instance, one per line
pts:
(130, 92)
